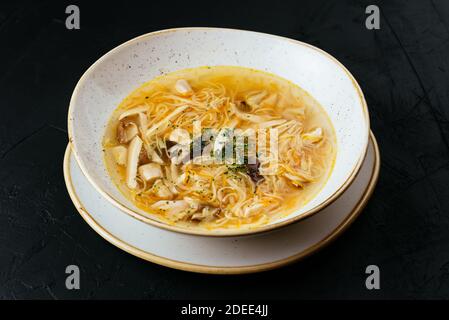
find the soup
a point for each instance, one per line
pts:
(219, 147)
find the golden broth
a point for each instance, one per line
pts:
(219, 195)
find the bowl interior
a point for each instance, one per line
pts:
(123, 69)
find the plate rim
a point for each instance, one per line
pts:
(174, 228)
(191, 267)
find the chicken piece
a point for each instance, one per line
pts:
(174, 209)
(161, 189)
(193, 203)
(249, 210)
(207, 212)
(150, 171)
(183, 87)
(119, 153)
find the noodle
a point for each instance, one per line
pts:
(233, 179)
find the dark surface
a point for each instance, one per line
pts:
(403, 69)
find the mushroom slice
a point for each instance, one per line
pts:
(313, 136)
(119, 153)
(133, 111)
(132, 161)
(131, 131)
(126, 130)
(150, 171)
(144, 157)
(183, 87)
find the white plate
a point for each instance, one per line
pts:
(110, 79)
(223, 255)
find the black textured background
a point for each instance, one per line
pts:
(402, 69)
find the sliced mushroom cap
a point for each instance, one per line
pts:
(126, 131)
(132, 162)
(143, 156)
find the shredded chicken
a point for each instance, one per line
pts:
(234, 179)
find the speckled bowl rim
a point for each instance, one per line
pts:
(218, 233)
(198, 268)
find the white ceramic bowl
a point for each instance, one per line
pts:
(117, 73)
